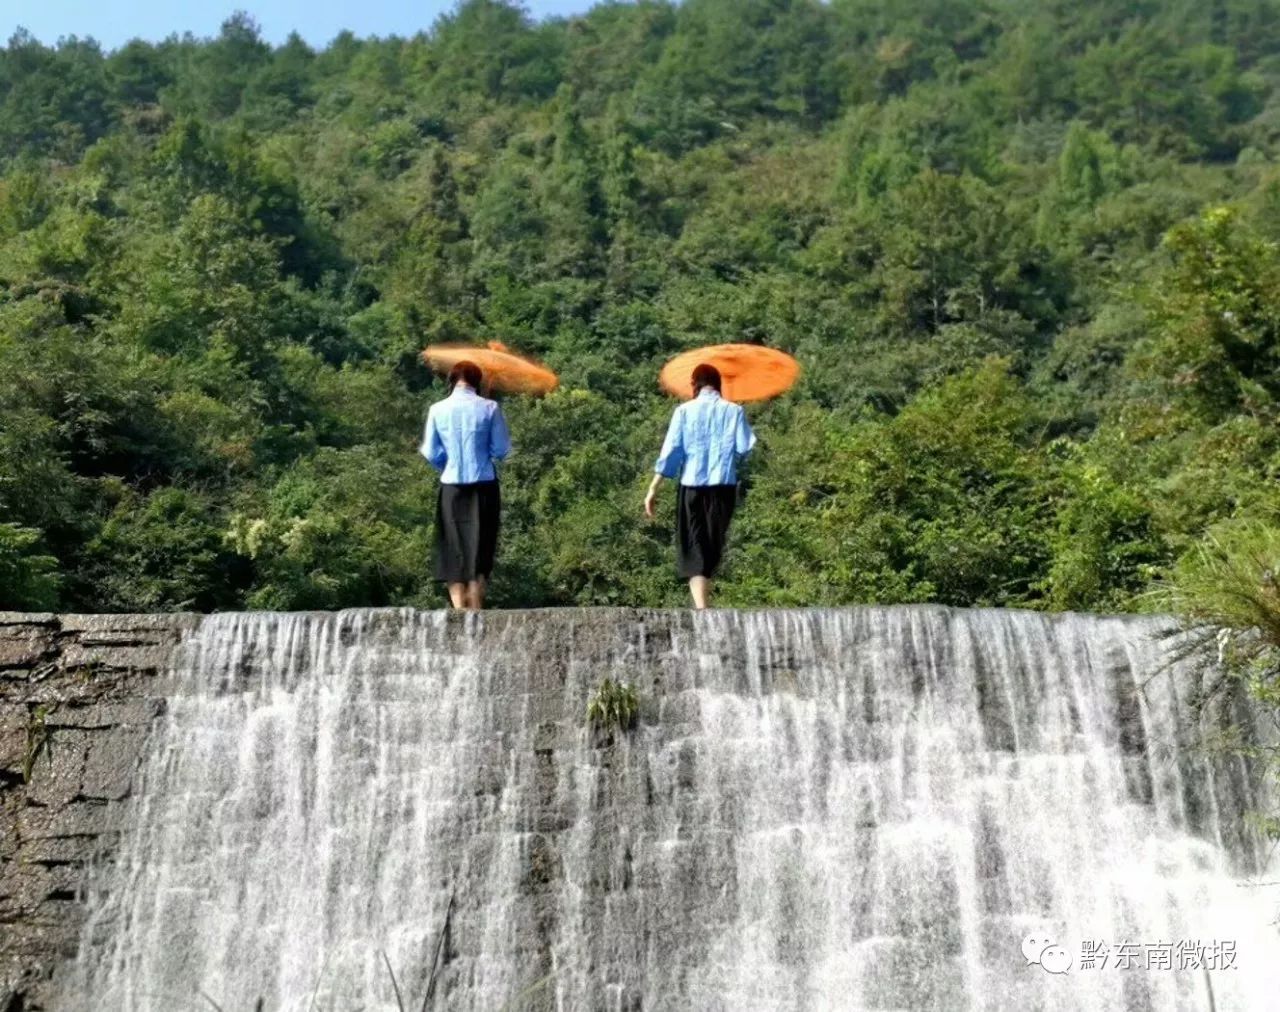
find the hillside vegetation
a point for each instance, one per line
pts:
(1026, 251)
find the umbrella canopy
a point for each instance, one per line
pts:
(503, 369)
(748, 372)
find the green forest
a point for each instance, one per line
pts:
(1026, 252)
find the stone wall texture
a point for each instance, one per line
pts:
(78, 694)
(767, 805)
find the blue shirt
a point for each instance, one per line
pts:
(465, 434)
(706, 437)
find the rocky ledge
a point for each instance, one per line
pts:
(77, 696)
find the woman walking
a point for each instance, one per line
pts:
(706, 438)
(465, 435)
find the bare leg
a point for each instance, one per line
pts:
(458, 595)
(475, 593)
(699, 587)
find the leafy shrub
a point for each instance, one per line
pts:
(615, 704)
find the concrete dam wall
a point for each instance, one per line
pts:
(869, 808)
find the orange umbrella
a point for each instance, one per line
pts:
(748, 372)
(503, 369)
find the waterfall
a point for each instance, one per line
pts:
(868, 808)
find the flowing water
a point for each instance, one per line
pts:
(848, 809)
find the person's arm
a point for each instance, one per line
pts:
(652, 494)
(744, 438)
(432, 445)
(669, 461)
(499, 435)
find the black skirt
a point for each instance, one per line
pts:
(466, 531)
(703, 514)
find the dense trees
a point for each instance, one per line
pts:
(1026, 253)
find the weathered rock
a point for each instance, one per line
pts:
(52, 850)
(109, 764)
(13, 736)
(22, 651)
(100, 716)
(57, 766)
(78, 694)
(115, 624)
(82, 818)
(116, 656)
(11, 618)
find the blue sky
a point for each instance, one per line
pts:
(114, 22)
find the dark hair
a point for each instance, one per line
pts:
(706, 376)
(468, 372)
